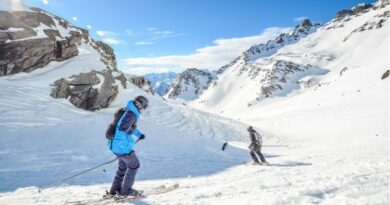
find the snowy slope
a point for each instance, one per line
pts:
(335, 126)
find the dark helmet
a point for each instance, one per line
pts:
(141, 102)
(250, 128)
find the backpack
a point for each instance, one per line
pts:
(110, 132)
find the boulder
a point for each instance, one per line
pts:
(85, 79)
(61, 89)
(83, 90)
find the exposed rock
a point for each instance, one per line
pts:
(354, 11)
(52, 33)
(25, 33)
(307, 23)
(385, 74)
(282, 77)
(343, 70)
(84, 91)
(107, 53)
(272, 46)
(107, 92)
(18, 56)
(121, 77)
(27, 54)
(142, 83)
(61, 89)
(85, 79)
(375, 23)
(189, 84)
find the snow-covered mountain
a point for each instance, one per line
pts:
(189, 84)
(160, 82)
(301, 61)
(321, 103)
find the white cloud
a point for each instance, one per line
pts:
(45, 1)
(143, 43)
(89, 27)
(109, 37)
(300, 18)
(212, 57)
(74, 18)
(153, 34)
(112, 41)
(103, 33)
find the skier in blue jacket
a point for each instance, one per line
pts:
(122, 146)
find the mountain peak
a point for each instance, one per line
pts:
(306, 23)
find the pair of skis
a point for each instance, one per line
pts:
(154, 191)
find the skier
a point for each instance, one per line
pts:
(255, 146)
(122, 146)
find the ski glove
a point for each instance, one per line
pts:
(141, 137)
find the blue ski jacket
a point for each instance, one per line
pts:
(123, 141)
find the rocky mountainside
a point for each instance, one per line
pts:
(271, 47)
(189, 84)
(31, 38)
(160, 82)
(141, 82)
(308, 58)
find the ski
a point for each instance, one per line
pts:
(155, 191)
(107, 200)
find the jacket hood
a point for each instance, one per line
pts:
(131, 106)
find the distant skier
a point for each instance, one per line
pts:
(255, 146)
(122, 145)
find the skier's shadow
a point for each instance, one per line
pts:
(292, 164)
(272, 155)
(139, 202)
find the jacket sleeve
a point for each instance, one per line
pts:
(127, 124)
(137, 133)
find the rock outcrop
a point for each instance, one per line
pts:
(141, 82)
(86, 90)
(353, 11)
(31, 39)
(283, 76)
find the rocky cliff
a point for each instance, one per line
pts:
(31, 38)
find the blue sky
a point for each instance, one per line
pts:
(161, 35)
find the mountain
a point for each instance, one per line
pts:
(310, 58)
(160, 82)
(33, 39)
(189, 84)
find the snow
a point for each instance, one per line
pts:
(331, 138)
(12, 30)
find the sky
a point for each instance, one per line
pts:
(171, 35)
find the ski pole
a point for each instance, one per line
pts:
(85, 171)
(88, 170)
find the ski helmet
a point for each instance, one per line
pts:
(142, 102)
(250, 128)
